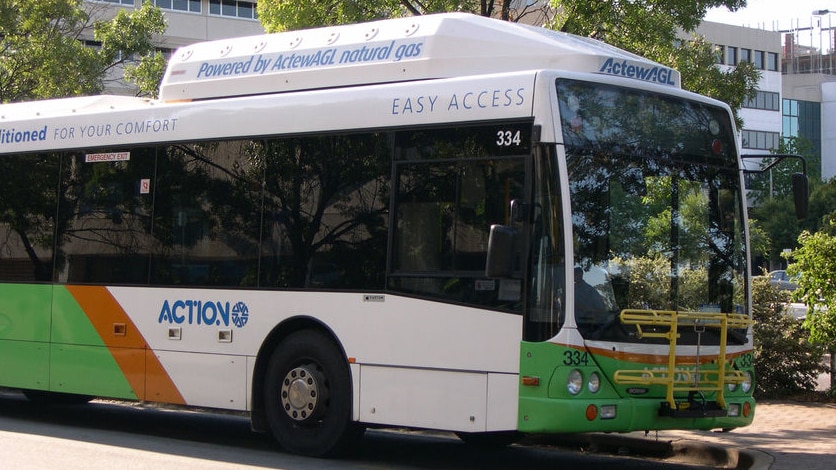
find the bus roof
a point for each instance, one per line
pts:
(396, 50)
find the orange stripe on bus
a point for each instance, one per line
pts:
(142, 369)
(656, 358)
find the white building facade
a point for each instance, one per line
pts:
(188, 22)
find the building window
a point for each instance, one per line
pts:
(236, 8)
(757, 59)
(802, 119)
(745, 55)
(772, 61)
(719, 54)
(120, 2)
(178, 5)
(165, 51)
(731, 55)
(766, 100)
(760, 140)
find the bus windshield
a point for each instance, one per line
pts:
(656, 217)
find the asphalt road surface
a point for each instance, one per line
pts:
(117, 436)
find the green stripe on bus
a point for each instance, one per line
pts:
(81, 362)
(76, 361)
(24, 335)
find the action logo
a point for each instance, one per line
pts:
(203, 312)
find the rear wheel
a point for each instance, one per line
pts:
(308, 396)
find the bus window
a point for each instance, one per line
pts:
(27, 217)
(206, 215)
(105, 213)
(325, 215)
(444, 208)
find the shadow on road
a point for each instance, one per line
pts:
(223, 437)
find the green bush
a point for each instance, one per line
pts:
(786, 364)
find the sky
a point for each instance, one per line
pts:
(775, 14)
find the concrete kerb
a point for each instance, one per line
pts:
(679, 451)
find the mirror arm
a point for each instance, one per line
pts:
(777, 158)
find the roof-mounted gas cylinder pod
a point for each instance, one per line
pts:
(403, 49)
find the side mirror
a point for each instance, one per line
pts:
(801, 195)
(501, 251)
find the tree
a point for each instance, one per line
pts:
(285, 15)
(776, 218)
(131, 34)
(786, 363)
(822, 207)
(43, 55)
(815, 262)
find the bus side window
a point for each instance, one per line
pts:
(27, 216)
(105, 213)
(444, 214)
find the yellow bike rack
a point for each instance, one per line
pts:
(684, 376)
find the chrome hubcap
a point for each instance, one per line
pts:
(300, 393)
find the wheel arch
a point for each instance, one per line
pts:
(258, 417)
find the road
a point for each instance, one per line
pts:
(110, 436)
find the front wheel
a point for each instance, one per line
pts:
(308, 396)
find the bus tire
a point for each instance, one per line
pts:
(308, 396)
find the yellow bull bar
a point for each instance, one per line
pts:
(677, 376)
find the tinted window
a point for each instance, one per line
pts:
(452, 185)
(326, 211)
(207, 213)
(105, 216)
(27, 216)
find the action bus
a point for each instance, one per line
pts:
(376, 225)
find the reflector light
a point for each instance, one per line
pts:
(591, 412)
(531, 381)
(747, 409)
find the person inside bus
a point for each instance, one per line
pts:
(588, 300)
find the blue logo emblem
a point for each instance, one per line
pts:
(240, 314)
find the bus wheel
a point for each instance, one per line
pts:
(308, 396)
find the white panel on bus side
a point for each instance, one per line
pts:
(503, 401)
(424, 398)
(212, 380)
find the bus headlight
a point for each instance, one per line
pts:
(574, 383)
(746, 385)
(594, 382)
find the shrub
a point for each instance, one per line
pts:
(786, 363)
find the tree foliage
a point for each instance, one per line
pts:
(776, 218)
(286, 15)
(42, 54)
(814, 261)
(822, 214)
(786, 363)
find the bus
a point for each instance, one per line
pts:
(375, 225)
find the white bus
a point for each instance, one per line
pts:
(376, 225)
